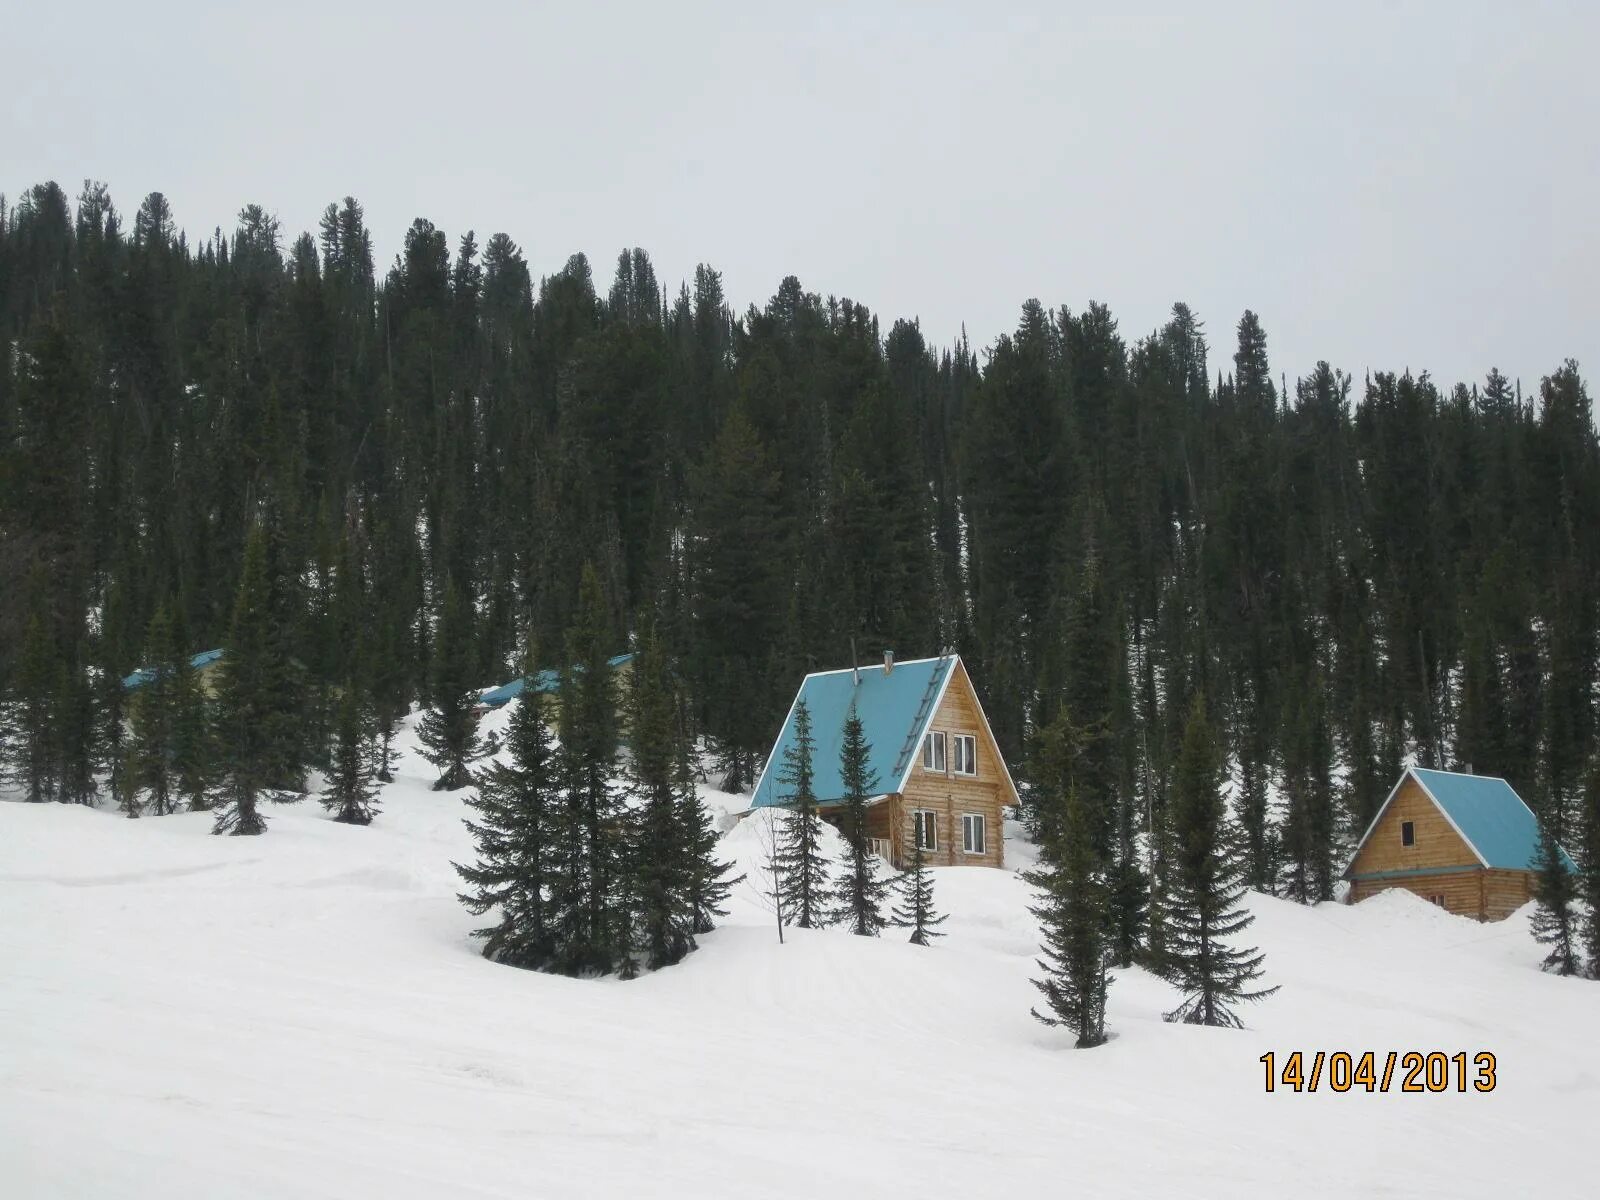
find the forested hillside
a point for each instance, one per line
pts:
(1106, 521)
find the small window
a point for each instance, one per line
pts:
(933, 752)
(972, 833)
(966, 749)
(1408, 833)
(1439, 900)
(927, 828)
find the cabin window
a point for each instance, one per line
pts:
(972, 833)
(1408, 833)
(933, 752)
(1439, 900)
(927, 828)
(966, 748)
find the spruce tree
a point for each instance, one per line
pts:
(513, 811)
(915, 910)
(154, 715)
(588, 890)
(801, 865)
(32, 718)
(659, 859)
(351, 794)
(251, 722)
(1206, 889)
(1074, 906)
(708, 882)
(1589, 872)
(448, 731)
(858, 896)
(1555, 924)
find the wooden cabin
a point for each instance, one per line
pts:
(547, 683)
(1467, 843)
(204, 665)
(940, 775)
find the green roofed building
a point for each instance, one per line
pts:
(939, 772)
(1467, 843)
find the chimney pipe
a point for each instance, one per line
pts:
(888, 662)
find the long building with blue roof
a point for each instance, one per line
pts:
(1468, 843)
(939, 777)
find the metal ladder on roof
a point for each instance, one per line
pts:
(922, 711)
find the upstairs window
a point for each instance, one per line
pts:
(926, 829)
(1408, 833)
(933, 752)
(966, 748)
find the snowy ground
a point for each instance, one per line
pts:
(304, 1015)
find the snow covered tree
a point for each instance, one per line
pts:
(1206, 886)
(1072, 915)
(801, 866)
(352, 794)
(513, 811)
(448, 731)
(915, 910)
(858, 896)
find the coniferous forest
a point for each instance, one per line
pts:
(381, 484)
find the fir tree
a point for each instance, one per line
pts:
(1073, 909)
(916, 911)
(449, 730)
(1555, 924)
(155, 715)
(1206, 890)
(32, 715)
(660, 859)
(858, 896)
(251, 722)
(708, 882)
(1072, 915)
(1589, 873)
(351, 795)
(801, 866)
(513, 809)
(587, 886)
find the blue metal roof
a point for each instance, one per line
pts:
(145, 675)
(1490, 815)
(544, 682)
(895, 708)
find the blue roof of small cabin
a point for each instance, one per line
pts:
(145, 675)
(895, 707)
(544, 682)
(1491, 816)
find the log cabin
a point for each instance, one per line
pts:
(1467, 843)
(942, 779)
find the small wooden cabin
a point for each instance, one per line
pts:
(1467, 843)
(547, 683)
(942, 779)
(204, 665)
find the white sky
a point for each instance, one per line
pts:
(1388, 185)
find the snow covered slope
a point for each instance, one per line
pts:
(304, 1015)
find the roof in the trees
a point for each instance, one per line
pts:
(544, 682)
(146, 675)
(1486, 811)
(895, 708)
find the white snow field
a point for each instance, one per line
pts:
(304, 1015)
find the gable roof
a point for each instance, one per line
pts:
(544, 682)
(895, 708)
(146, 675)
(1495, 823)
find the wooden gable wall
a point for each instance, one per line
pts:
(1437, 842)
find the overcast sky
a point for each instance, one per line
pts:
(1389, 186)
